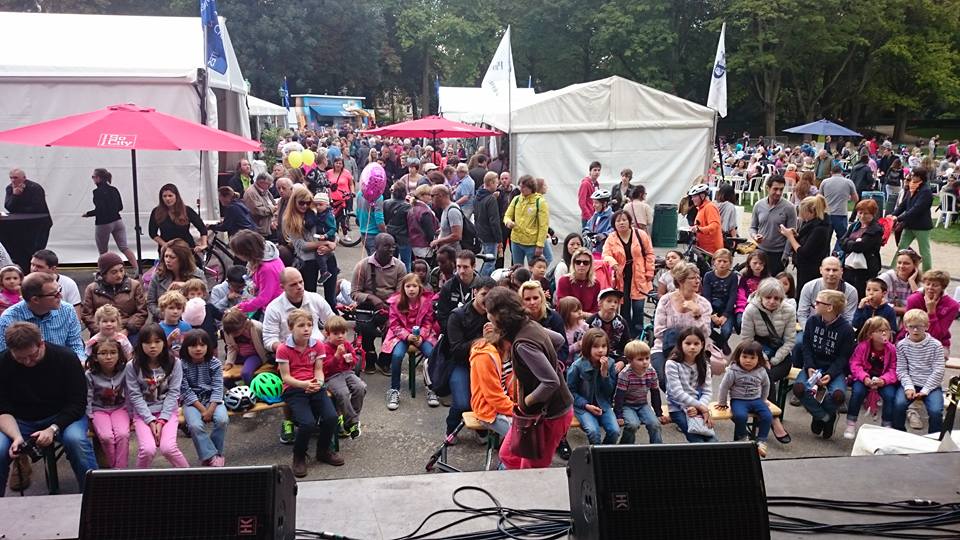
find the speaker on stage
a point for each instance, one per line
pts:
(711, 490)
(230, 502)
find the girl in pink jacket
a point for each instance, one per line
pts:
(411, 323)
(873, 374)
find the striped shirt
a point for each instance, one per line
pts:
(920, 363)
(202, 381)
(682, 389)
(60, 326)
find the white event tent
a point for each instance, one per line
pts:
(667, 141)
(54, 65)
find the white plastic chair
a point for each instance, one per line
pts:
(753, 193)
(948, 208)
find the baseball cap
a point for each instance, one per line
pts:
(609, 291)
(429, 167)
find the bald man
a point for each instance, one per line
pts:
(27, 197)
(831, 278)
(275, 330)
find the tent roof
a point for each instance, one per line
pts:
(55, 45)
(611, 103)
(260, 107)
(477, 105)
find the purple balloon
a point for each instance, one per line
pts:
(373, 180)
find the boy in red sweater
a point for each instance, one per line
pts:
(347, 388)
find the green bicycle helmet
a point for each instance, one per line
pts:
(267, 387)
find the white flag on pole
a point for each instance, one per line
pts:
(717, 99)
(500, 73)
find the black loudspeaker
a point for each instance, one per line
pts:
(710, 490)
(229, 502)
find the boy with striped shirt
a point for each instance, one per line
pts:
(920, 369)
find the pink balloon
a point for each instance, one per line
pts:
(373, 180)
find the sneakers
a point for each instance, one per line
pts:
(299, 466)
(21, 471)
(249, 414)
(354, 430)
(432, 399)
(393, 399)
(851, 432)
(215, 461)
(343, 432)
(322, 278)
(382, 370)
(828, 427)
(913, 418)
(563, 449)
(762, 449)
(794, 400)
(287, 434)
(330, 457)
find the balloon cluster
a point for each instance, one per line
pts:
(301, 157)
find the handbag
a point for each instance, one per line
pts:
(698, 426)
(855, 261)
(771, 340)
(528, 435)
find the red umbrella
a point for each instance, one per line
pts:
(128, 127)
(434, 127)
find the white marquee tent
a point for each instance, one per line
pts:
(54, 65)
(477, 106)
(667, 141)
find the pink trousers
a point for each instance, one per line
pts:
(555, 429)
(147, 445)
(113, 432)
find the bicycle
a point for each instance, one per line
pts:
(216, 259)
(348, 228)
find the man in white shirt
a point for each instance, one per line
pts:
(46, 261)
(275, 330)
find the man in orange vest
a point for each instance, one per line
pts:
(707, 225)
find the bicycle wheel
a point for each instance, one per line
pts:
(214, 268)
(349, 230)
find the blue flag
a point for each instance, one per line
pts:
(214, 55)
(285, 94)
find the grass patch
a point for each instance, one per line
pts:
(946, 236)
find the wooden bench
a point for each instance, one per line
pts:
(953, 363)
(752, 426)
(233, 374)
(783, 390)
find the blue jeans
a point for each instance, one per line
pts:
(741, 409)
(208, 445)
(314, 414)
(405, 254)
(75, 442)
(724, 332)
(632, 310)
(396, 361)
(370, 243)
(858, 393)
(591, 425)
(488, 249)
(826, 411)
(521, 254)
(500, 425)
(459, 396)
(680, 419)
(933, 403)
(839, 224)
(633, 416)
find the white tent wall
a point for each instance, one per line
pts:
(666, 141)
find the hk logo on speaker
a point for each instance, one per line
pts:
(116, 140)
(247, 526)
(621, 501)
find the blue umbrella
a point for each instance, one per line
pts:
(823, 127)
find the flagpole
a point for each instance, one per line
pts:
(510, 82)
(716, 138)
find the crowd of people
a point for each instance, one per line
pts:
(526, 346)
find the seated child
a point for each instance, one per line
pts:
(687, 374)
(920, 369)
(422, 270)
(538, 271)
(225, 295)
(873, 373)
(202, 397)
(201, 314)
(10, 278)
(592, 381)
(789, 289)
(665, 282)
(108, 326)
(720, 288)
(748, 385)
(338, 370)
(608, 319)
(572, 314)
(874, 304)
(300, 361)
(325, 228)
(753, 274)
(637, 400)
(171, 304)
(243, 339)
(826, 348)
(106, 404)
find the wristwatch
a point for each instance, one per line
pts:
(56, 429)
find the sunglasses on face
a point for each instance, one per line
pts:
(581, 262)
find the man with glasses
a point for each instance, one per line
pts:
(47, 262)
(44, 399)
(43, 306)
(27, 197)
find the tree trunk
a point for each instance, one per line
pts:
(900, 123)
(425, 86)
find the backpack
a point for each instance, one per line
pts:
(468, 238)
(438, 367)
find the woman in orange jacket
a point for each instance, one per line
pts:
(629, 252)
(490, 377)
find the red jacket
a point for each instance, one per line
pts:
(334, 364)
(587, 187)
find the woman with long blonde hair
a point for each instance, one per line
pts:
(298, 231)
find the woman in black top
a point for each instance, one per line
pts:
(913, 215)
(171, 219)
(107, 205)
(864, 236)
(810, 242)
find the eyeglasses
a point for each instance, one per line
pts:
(821, 303)
(916, 327)
(582, 262)
(58, 292)
(303, 203)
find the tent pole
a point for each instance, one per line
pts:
(716, 138)
(136, 210)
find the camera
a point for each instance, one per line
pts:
(31, 449)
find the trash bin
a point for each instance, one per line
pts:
(664, 225)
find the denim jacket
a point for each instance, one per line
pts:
(589, 387)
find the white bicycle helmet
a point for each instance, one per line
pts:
(698, 189)
(239, 398)
(600, 195)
